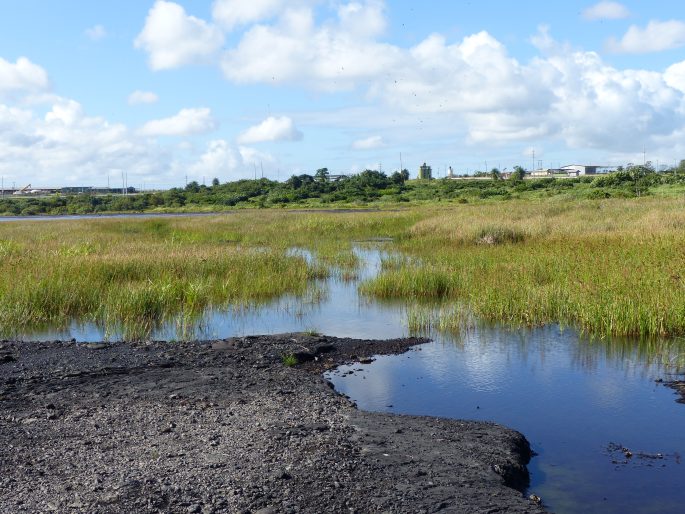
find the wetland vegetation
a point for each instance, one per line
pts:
(369, 188)
(611, 267)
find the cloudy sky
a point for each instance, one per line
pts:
(163, 89)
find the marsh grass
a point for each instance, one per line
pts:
(615, 267)
(611, 267)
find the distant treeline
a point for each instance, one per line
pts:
(368, 187)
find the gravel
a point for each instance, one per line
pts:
(225, 426)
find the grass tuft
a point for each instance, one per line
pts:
(289, 360)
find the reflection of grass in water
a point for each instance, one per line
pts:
(449, 319)
(667, 352)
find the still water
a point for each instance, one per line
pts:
(578, 401)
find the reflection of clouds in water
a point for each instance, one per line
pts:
(373, 387)
(609, 392)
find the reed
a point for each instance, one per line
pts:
(611, 268)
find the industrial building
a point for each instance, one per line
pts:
(425, 172)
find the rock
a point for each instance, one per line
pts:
(95, 346)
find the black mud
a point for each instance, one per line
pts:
(679, 387)
(224, 426)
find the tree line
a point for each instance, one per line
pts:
(367, 187)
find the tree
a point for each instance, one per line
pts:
(518, 174)
(495, 174)
(215, 182)
(193, 187)
(399, 177)
(321, 175)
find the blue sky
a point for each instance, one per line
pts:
(162, 90)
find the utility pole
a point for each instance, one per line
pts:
(123, 183)
(644, 156)
(401, 167)
(533, 160)
(255, 170)
(261, 165)
(2, 187)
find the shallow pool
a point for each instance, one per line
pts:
(579, 402)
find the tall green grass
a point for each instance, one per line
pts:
(610, 268)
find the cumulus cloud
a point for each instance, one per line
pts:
(271, 129)
(187, 122)
(655, 37)
(173, 38)
(231, 13)
(67, 146)
(222, 159)
(675, 76)
(22, 77)
(96, 33)
(368, 143)
(142, 97)
(606, 11)
(333, 56)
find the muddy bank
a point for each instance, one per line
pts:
(679, 387)
(225, 426)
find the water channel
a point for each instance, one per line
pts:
(579, 402)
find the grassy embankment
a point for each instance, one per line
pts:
(611, 267)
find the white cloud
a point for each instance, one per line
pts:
(271, 129)
(22, 77)
(231, 13)
(66, 146)
(172, 38)
(142, 97)
(368, 143)
(221, 159)
(606, 11)
(655, 37)
(333, 56)
(96, 33)
(186, 122)
(675, 76)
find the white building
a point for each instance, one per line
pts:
(577, 170)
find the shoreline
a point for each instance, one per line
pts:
(225, 426)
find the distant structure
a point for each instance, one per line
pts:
(425, 172)
(450, 172)
(577, 170)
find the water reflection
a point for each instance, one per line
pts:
(572, 396)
